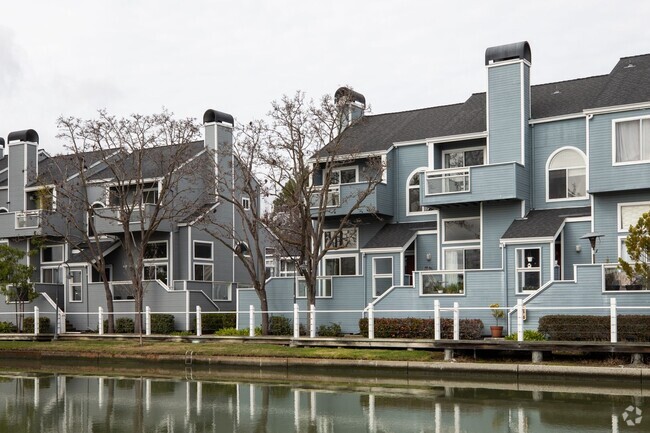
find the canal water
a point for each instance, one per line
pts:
(130, 400)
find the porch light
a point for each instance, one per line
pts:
(592, 237)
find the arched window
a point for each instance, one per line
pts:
(413, 195)
(567, 175)
(242, 249)
(3, 210)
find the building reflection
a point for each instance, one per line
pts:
(54, 403)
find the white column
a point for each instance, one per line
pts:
(312, 321)
(436, 320)
(371, 322)
(251, 321)
(456, 322)
(372, 424)
(296, 321)
(438, 418)
(147, 394)
(613, 321)
(147, 320)
(296, 409)
(37, 318)
(312, 406)
(61, 322)
(199, 397)
(199, 323)
(37, 391)
(100, 392)
(456, 418)
(520, 320)
(100, 321)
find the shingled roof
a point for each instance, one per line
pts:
(627, 83)
(543, 223)
(396, 235)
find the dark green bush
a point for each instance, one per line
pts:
(562, 327)
(43, 324)
(280, 325)
(410, 327)
(7, 328)
(162, 323)
(212, 322)
(124, 325)
(331, 330)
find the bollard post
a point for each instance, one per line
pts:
(312, 321)
(199, 321)
(456, 322)
(251, 321)
(371, 321)
(296, 321)
(147, 320)
(520, 320)
(37, 316)
(613, 321)
(436, 320)
(100, 321)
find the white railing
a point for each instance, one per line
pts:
(28, 219)
(447, 181)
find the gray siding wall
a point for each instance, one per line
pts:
(505, 116)
(605, 176)
(8, 311)
(398, 274)
(572, 233)
(497, 217)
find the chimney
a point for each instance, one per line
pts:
(508, 102)
(2, 147)
(218, 139)
(22, 164)
(352, 104)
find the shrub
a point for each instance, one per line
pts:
(162, 323)
(211, 323)
(280, 325)
(124, 325)
(331, 330)
(234, 332)
(594, 328)
(410, 327)
(7, 328)
(43, 324)
(529, 335)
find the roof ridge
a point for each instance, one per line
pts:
(635, 55)
(571, 80)
(415, 109)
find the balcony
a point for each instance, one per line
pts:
(341, 198)
(475, 184)
(27, 223)
(108, 220)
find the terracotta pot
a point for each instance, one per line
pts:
(497, 331)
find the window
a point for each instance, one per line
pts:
(341, 176)
(202, 272)
(567, 175)
(203, 269)
(632, 141)
(156, 271)
(242, 249)
(462, 230)
(155, 261)
(202, 250)
(529, 271)
(301, 288)
(150, 193)
(413, 195)
(75, 286)
(341, 239)
(52, 254)
(50, 275)
(335, 266)
(287, 268)
(463, 157)
(382, 275)
(44, 198)
(246, 203)
(155, 250)
(629, 214)
(3, 210)
(462, 258)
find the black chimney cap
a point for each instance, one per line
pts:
(517, 50)
(217, 116)
(350, 96)
(24, 135)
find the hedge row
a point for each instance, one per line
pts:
(28, 326)
(211, 323)
(594, 328)
(410, 327)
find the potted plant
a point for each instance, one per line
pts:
(497, 313)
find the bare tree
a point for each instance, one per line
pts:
(153, 178)
(304, 147)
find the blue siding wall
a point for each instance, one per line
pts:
(407, 159)
(504, 111)
(572, 233)
(426, 244)
(497, 217)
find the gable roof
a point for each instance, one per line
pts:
(396, 235)
(51, 168)
(543, 223)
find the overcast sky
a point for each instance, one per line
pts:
(71, 58)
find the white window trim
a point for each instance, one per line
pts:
(52, 246)
(619, 213)
(202, 242)
(4, 210)
(356, 247)
(204, 264)
(246, 203)
(158, 259)
(546, 176)
(464, 247)
(71, 285)
(90, 269)
(340, 256)
(421, 171)
(626, 119)
(58, 267)
(518, 269)
(376, 275)
(462, 149)
(344, 168)
(466, 241)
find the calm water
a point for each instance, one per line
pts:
(56, 402)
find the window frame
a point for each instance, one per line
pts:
(463, 248)
(431, 211)
(640, 119)
(518, 270)
(619, 213)
(72, 285)
(464, 241)
(62, 246)
(246, 203)
(203, 265)
(582, 155)
(344, 168)
(346, 248)
(157, 262)
(464, 150)
(375, 275)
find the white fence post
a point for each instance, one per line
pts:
(312, 321)
(100, 320)
(251, 321)
(147, 320)
(199, 321)
(371, 321)
(520, 320)
(456, 322)
(436, 320)
(61, 322)
(296, 321)
(613, 321)
(37, 316)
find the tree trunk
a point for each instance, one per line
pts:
(311, 300)
(137, 322)
(264, 305)
(110, 320)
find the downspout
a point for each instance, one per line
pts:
(532, 168)
(504, 260)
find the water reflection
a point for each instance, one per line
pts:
(66, 403)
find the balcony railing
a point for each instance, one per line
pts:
(442, 283)
(616, 280)
(28, 219)
(447, 181)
